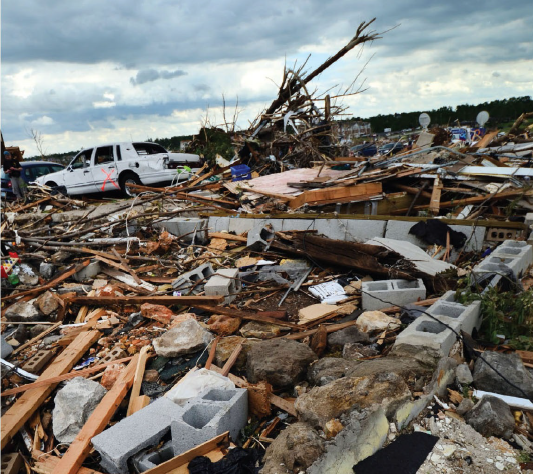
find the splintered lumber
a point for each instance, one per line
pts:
(328, 195)
(30, 401)
(235, 313)
(47, 463)
(363, 257)
(51, 284)
(164, 300)
(137, 380)
(434, 205)
(181, 461)
(221, 235)
(100, 417)
(32, 204)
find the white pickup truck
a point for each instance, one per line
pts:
(112, 167)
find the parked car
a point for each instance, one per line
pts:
(31, 170)
(114, 166)
(391, 148)
(366, 149)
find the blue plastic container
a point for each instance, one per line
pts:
(240, 173)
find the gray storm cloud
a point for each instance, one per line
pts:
(150, 75)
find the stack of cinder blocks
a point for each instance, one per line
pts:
(384, 293)
(511, 258)
(211, 413)
(188, 282)
(224, 282)
(427, 334)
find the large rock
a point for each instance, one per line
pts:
(328, 369)
(354, 350)
(338, 339)
(463, 376)
(47, 303)
(321, 404)
(293, 450)
(186, 338)
(47, 270)
(73, 405)
(491, 417)
(511, 366)
(375, 321)
(225, 347)
(260, 330)
(281, 362)
(223, 325)
(23, 311)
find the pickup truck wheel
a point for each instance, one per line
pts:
(129, 178)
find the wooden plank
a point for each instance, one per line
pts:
(32, 204)
(46, 464)
(72, 460)
(127, 267)
(138, 378)
(30, 401)
(328, 194)
(434, 204)
(188, 456)
(62, 378)
(164, 300)
(221, 235)
(51, 284)
(484, 142)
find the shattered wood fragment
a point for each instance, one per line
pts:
(30, 401)
(137, 380)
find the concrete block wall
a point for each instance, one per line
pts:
(194, 227)
(517, 255)
(384, 293)
(448, 311)
(210, 414)
(224, 283)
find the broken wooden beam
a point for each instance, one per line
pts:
(164, 300)
(328, 195)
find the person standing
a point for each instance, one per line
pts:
(13, 169)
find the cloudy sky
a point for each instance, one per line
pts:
(86, 72)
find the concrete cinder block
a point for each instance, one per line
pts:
(148, 459)
(192, 229)
(520, 251)
(218, 224)
(359, 230)
(384, 293)
(224, 283)
(297, 224)
(189, 281)
(134, 433)
(331, 228)
(426, 337)
(89, 272)
(469, 316)
(240, 225)
(37, 362)
(260, 238)
(212, 413)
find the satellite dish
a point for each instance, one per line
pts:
(424, 120)
(482, 118)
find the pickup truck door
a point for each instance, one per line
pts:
(78, 174)
(105, 172)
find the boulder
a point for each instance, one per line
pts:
(280, 362)
(354, 350)
(491, 417)
(321, 404)
(186, 338)
(225, 348)
(465, 406)
(223, 325)
(338, 339)
(328, 369)
(293, 450)
(157, 312)
(73, 405)
(47, 303)
(511, 366)
(463, 376)
(23, 311)
(375, 321)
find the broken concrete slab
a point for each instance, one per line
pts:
(185, 338)
(74, 403)
(23, 311)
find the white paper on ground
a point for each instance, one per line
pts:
(329, 292)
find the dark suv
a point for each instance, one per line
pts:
(366, 149)
(31, 170)
(391, 148)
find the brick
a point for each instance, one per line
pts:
(224, 283)
(190, 279)
(384, 293)
(113, 354)
(143, 429)
(11, 463)
(37, 363)
(212, 413)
